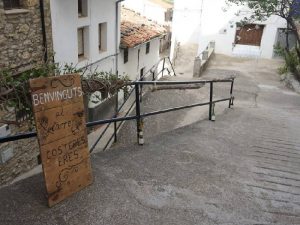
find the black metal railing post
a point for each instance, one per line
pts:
(116, 114)
(137, 110)
(163, 69)
(211, 92)
(172, 66)
(231, 94)
(141, 89)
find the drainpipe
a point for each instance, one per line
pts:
(42, 11)
(117, 34)
(117, 65)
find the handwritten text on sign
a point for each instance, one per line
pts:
(60, 122)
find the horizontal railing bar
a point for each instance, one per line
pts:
(100, 122)
(18, 137)
(181, 107)
(179, 82)
(221, 100)
(121, 119)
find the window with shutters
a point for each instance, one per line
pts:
(82, 8)
(80, 34)
(102, 35)
(11, 4)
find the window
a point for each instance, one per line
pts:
(102, 37)
(11, 4)
(125, 55)
(147, 47)
(82, 35)
(82, 8)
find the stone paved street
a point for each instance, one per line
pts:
(243, 169)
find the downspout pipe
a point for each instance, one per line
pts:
(117, 34)
(42, 11)
(117, 65)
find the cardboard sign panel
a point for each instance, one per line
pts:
(60, 123)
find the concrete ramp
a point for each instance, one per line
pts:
(241, 169)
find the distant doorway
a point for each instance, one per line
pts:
(250, 34)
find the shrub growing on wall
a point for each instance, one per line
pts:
(15, 93)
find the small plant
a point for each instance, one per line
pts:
(292, 63)
(15, 91)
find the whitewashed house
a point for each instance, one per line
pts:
(155, 10)
(89, 34)
(139, 46)
(212, 20)
(85, 33)
(158, 11)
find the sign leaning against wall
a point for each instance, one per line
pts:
(62, 135)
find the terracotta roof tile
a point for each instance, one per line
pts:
(136, 29)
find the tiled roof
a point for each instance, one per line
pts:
(136, 29)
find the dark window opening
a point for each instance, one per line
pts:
(102, 35)
(80, 34)
(11, 4)
(80, 7)
(147, 47)
(125, 55)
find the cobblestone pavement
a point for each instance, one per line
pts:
(242, 169)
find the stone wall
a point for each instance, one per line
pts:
(21, 40)
(21, 48)
(25, 153)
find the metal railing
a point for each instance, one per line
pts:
(139, 116)
(153, 74)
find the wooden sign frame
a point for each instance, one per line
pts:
(61, 127)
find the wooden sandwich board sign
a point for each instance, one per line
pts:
(62, 135)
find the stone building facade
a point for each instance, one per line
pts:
(21, 36)
(22, 46)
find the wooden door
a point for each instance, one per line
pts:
(250, 34)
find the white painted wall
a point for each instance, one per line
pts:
(133, 66)
(213, 17)
(148, 9)
(65, 23)
(186, 23)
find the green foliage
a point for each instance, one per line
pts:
(286, 9)
(292, 62)
(262, 9)
(15, 91)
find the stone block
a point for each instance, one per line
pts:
(197, 67)
(205, 55)
(6, 154)
(5, 131)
